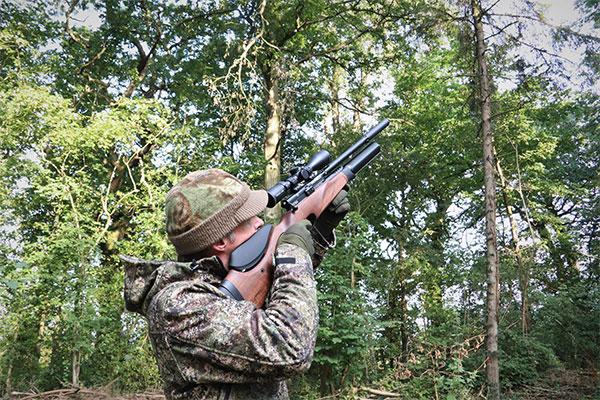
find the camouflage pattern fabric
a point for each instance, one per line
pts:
(198, 196)
(209, 346)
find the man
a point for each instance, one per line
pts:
(207, 345)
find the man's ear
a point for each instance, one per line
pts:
(219, 246)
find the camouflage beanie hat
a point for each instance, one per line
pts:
(206, 206)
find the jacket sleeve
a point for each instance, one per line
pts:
(208, 337)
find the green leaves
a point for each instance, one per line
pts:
(72, 188)
(9, 278)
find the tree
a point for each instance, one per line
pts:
(278, 41)
(492, 276)
(64, 204)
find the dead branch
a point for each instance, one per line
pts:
(377, 392)
(67, 25)
(93, 60)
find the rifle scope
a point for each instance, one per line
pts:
(297, 175)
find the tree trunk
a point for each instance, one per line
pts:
(403, 320)
(80, 271)
(324, 388)
(492, 369)
(76, 367)
(334, 87)
(7, 383)
(356, 121)
(272, 140)
(522, 267)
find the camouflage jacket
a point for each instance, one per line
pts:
(209, 346)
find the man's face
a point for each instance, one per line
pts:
(245, 231)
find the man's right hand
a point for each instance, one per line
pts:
(299, 235)
(333, 215)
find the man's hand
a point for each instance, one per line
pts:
(299, 235)
(333, 215)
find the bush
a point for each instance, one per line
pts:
(523, 359)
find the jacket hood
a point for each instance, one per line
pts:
(145, 278)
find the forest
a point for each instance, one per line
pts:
(468, 267)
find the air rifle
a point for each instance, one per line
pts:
(309, 190)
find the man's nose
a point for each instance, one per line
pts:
(258, 222)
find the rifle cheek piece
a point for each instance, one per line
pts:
(249, 253)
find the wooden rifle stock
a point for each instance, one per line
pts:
(254, 284)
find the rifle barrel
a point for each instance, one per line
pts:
(367, 137)
(359, 161)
